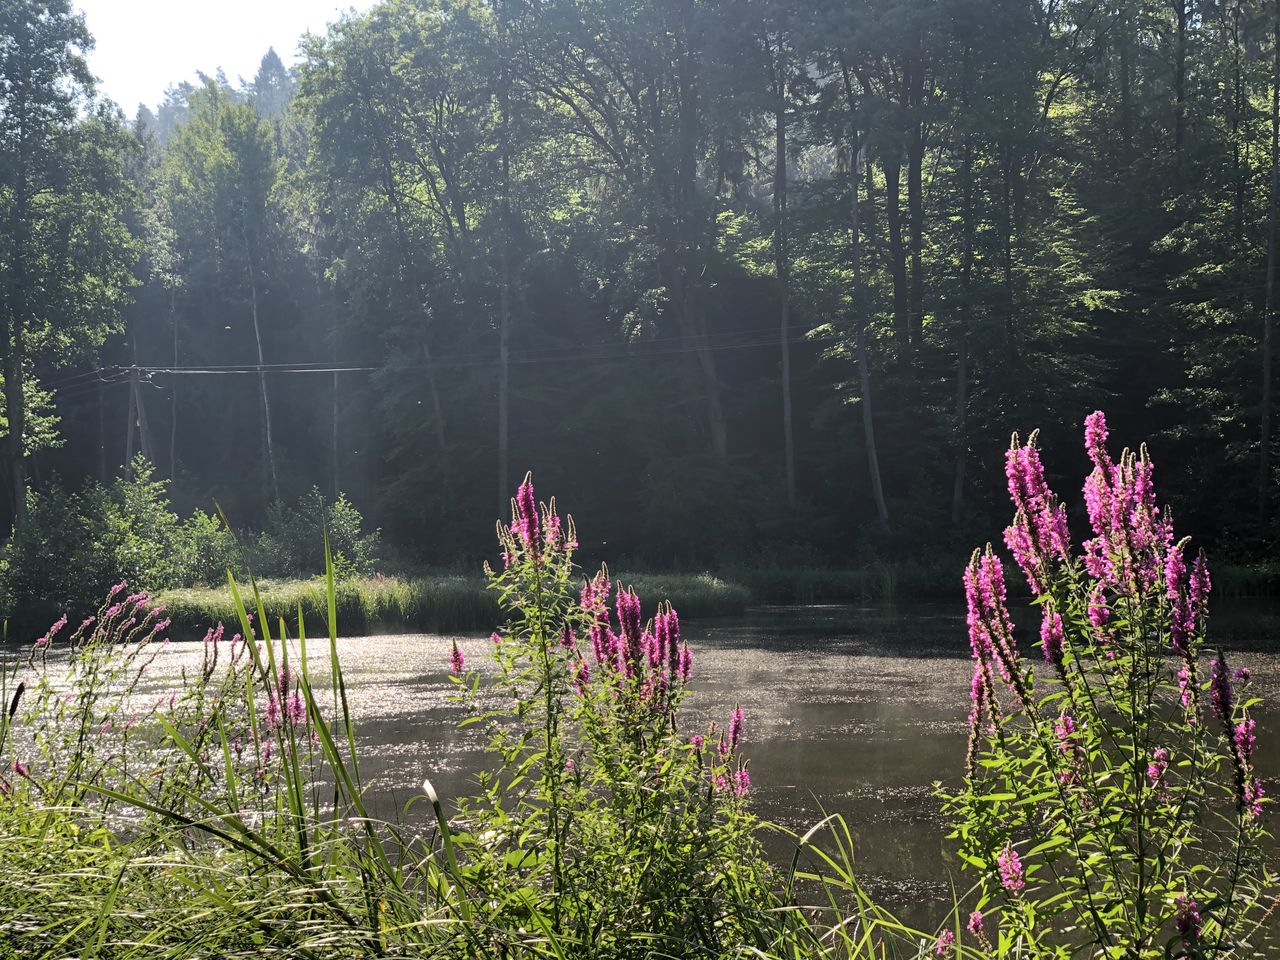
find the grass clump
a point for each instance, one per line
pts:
(364, 605)
(430, 604)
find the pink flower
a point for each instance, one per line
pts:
(1253, 796)
(684, 665)
(1221, 697)
(1052, 638)
(945, 945)
(741, 782)
(696, 742)
(1011, 874)
(974, 925)
(735, 728)
(456, 661)
(1245, 738)
(525, 525)
(1188, 919)
(1157, 767)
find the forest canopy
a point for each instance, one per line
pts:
(748, 280)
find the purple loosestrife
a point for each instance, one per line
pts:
(1200, 586)
(1246, 738)
(684, 666)
(582, 677)
(628, 607)
(990, 629)
(593, 598)
(974, 925)
(1181, 615)
(456, 661)
(1186, 688)
(1221, 697)
(696, 741)
(53, 632)
(525, 523)
(946, 944)
(1188, 919)
(1253, 797)
(1064, 729)
(653, 650)
(295, 709)
(1011, 875)
(1157, 767)
(1052, 638)
(735, 728)
(1039, 534)
(741, 782)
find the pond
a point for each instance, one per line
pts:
(853, 709)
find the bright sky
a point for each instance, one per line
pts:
(145, 45)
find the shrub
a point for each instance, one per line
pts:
(632, 835)
(1110, 797)
(75, 545)
(288, 545)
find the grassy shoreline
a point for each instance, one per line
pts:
(429, 604)
(459, 604)
(451, 603)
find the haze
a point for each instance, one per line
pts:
(143, 46)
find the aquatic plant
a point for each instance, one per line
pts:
(604, 815)
(1104, 807)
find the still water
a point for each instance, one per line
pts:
(855, 710)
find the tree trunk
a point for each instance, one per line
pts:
(782, 270)
(1268, 309)
(915, 193)
(16, 326)
(892, 167)
(1238, 105)
(687, 211)
(15, 411)
(1007, 175)
(1126, 90)
(966, 313)
(504, 293)
(859, 314)
(267, 440)
(1182, 13)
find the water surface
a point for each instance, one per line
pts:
(855, 709)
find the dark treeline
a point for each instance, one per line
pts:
(742, 279)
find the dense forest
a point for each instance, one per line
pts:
(741, 279)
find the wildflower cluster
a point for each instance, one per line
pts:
(1098, 799)
(591, 686)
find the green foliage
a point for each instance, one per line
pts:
(246, 833)
(1110, 795)
(288, 546)
(77, 544)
